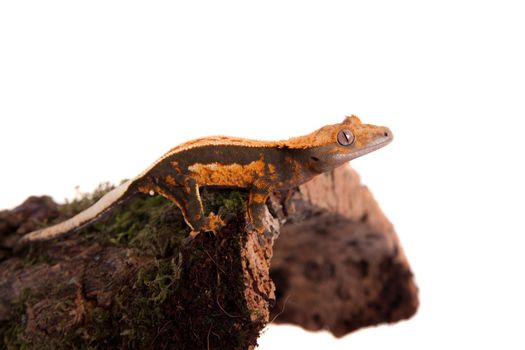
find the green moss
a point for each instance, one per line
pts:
(223, 201)
(163, 234)
(138, 311)
(12, 331)
(207, 280)
(11, 335)
(160, 279)
(145, 317)
(152, 225)
(234, 202)
(142, 307)
(140, 214)
(35, 255)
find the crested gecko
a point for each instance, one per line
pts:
(258, 166)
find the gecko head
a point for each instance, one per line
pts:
(337, 144)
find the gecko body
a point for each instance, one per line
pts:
(258, 166)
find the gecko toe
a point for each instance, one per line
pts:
(214, 223)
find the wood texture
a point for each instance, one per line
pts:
(132, 281)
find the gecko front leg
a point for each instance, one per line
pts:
(184, 192)
(256, 208)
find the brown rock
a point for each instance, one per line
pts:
(27, 217)
(338, 264)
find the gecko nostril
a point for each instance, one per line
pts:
(386, 134)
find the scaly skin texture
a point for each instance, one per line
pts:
(258, 166)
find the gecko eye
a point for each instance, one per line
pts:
(345, 137)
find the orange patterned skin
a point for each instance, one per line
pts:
(257, 166)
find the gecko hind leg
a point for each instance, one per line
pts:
(187, 198)
(256, 209)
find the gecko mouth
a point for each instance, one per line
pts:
(374, 146)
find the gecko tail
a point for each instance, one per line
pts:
(108, 201)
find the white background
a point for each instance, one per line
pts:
(94, 91)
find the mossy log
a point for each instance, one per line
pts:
(132, 281)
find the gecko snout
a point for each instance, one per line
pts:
(387, 133)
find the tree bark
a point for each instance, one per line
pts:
(132, 281)
(338, 263)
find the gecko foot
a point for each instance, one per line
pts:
(213, 223)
